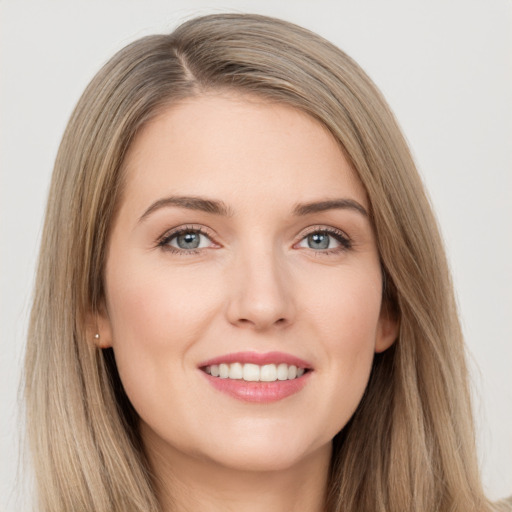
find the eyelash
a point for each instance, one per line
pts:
(338, 235)
(164, 241)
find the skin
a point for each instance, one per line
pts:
(254, 284)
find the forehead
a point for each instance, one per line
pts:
(240, 147)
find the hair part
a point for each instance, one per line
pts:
(410, 444)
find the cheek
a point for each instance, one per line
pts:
(345, 317)
(346, 308)
(157, 308)
(155, 318)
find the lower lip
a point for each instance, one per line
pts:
(259, 392)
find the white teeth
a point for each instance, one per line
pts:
(282, 372)
(268, 373)
(251, 372)
(223, 371)
(236, 371)
(255, 373)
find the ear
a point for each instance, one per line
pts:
(99, 328)
(387, 330)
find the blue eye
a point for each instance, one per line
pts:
(325, 240)
(319, 241)
(186, 240)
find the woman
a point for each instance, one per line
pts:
(242, 300)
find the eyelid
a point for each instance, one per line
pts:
(322, 228)
(163, 240)
(343, 239)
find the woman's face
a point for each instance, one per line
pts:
(243, 285)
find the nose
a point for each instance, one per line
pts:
(260, 292)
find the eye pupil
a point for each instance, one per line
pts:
(189, 240)
(318, 241)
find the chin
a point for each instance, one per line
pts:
(258, 454)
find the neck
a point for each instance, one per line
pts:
(187, 484)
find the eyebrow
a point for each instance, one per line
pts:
(190, 203)
(220, 208)
(329, 204)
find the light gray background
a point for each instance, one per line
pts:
(445, 67)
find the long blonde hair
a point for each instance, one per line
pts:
(410, 444)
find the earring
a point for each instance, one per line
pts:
(96, 336)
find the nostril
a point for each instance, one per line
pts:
(280, 322)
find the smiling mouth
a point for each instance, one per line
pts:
(257, 377)
(250, 372)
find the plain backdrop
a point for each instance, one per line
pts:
(445, 67)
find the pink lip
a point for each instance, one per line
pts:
(259, 359)
(259, 392)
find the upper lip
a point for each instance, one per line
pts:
(258, 358)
